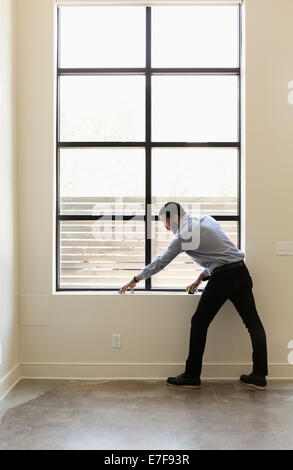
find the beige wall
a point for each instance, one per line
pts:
(70, 335)
(269, 148)
(8, 232)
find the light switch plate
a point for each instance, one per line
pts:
(116, 340)
(284, 248)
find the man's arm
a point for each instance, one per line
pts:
(159, 263)
(194, 286)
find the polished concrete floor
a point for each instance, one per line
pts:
(145, 414)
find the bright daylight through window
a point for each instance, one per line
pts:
(148, 111)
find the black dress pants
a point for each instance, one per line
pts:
(234, 284)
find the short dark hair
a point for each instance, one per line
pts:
(171, 208)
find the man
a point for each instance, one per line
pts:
(228, 277)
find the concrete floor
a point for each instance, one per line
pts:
(145, 414)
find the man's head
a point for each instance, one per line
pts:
(170, 214)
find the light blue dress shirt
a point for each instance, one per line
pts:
(203, 239)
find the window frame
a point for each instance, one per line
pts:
(148, 71)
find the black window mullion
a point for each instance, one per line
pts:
(148, 155)
(89, 217)
(142, 71)
(195, 71)
(100, 144)
(239, 121)
(101, 71)
(57, 203)
(138, 144)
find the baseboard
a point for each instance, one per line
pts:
(107, 370)
(9, 381)
(130, 371)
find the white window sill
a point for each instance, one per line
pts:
(137, 293)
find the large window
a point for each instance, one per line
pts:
(148, 110)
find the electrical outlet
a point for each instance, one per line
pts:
(284, 248)
(116, 340)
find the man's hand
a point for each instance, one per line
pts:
(131, 285)
(194, 286)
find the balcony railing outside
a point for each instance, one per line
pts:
(107, 253)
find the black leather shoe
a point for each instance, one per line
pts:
(255, 381)
(184, 381)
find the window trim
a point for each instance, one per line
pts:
(148, 72)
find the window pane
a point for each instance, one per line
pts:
(197, 36)
(102, 108)
(194, 108)
(203, 180)
(182, 271)
(101, 254)
(94, 37)
(102, 181)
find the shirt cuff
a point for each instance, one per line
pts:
(206, 275)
